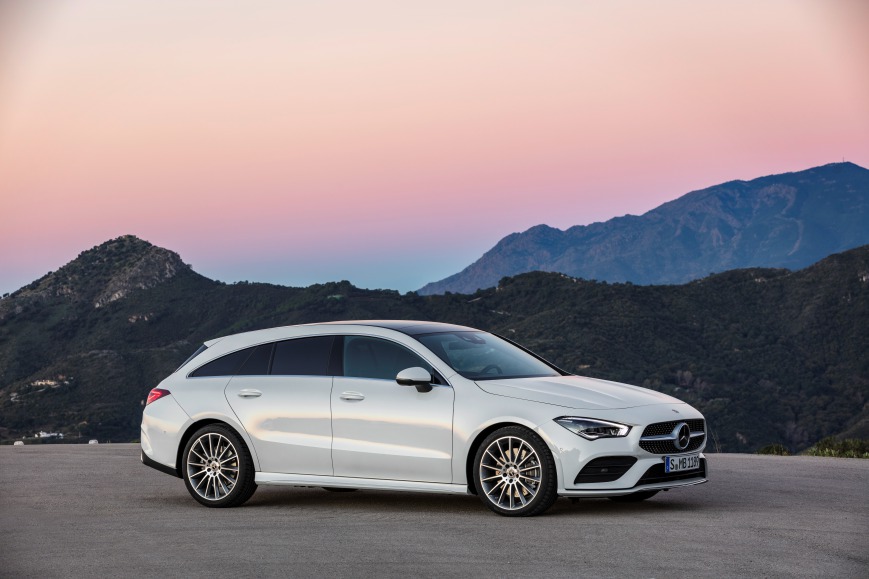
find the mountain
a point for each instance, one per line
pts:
(101, 275)
(790, 220)
(769, 355)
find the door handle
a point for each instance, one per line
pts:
(249, 393)
(352, 396)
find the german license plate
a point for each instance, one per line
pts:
(680, 463)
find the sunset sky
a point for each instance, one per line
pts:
(391, 143)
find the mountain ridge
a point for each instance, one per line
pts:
(102, 274)
(786, 220)
(769, 355)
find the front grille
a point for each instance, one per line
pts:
(668, 446)
(605, 469)
(659, 428)
(656, 474)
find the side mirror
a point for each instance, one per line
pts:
(416, 376)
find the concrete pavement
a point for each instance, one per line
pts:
(96, 511)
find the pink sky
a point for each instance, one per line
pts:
(389, 142)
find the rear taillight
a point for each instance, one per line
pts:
(156, 394)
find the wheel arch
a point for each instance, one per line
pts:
(475, 445)
(188, 434)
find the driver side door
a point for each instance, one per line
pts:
(381, 430)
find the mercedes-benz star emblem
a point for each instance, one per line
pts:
(682, 436)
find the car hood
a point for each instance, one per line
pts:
(576, 392)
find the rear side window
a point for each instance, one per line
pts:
(303, 357)
(258, 362)
(376, 358)
(223, 366)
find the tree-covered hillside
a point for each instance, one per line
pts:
(770, 356)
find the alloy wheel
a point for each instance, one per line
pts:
(510, 473)
(212, 466)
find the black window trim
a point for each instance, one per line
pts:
(336, 358)
(253, 349)
(273, 343)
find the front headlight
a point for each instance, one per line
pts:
(592, 429)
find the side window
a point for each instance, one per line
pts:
(258, 362)
(223, 366)
(376, 358)
(303, 356)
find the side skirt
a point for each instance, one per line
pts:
(305, 480)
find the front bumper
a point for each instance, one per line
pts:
(574, 453)
(649, 480)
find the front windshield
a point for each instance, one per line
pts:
(482, 356)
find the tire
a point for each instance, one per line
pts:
(514, 473)
(217, 467)
(338, 490)
(634, 497)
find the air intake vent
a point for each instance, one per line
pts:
(605, 469)
(656, 474)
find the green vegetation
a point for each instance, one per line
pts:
(774, 449)
(832, 446)
(769, 356)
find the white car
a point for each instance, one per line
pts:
(411, 406)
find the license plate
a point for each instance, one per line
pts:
(680, 463)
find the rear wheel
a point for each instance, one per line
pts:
(218, 470)
(634, 497)
(515, 473)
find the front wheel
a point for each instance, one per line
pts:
(218, 470)
(515, 473)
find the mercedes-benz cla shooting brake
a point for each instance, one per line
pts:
(411, 406)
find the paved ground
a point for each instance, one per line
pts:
(95, 511)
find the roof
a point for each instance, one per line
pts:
(409, 327)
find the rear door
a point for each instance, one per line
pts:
(282, 395)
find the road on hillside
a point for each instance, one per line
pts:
(96, 511)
